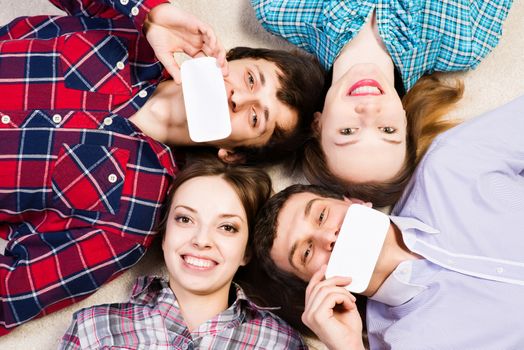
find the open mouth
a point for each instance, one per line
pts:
(198, 263)
(365, 87)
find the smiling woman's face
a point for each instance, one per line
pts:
(206, 236)
(363, 127)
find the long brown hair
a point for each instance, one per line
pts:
(426, 105)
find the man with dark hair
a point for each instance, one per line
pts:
(87, 110)
(452, 254)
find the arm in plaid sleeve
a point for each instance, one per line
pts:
(320, 27)
(77, 207)
(137, 10)
(290, 19)
(45, 271)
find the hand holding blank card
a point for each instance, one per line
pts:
(205, 100)
(358, 246)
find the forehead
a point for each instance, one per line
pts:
(208, 194)
(365, 161)
(290, 228)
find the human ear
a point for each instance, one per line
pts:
(315, 124)
(231, 157)
(246, 258)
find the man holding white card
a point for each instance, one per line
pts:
(88, 113)
(450, 271)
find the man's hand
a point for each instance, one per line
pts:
(331, 312)
(170, 29)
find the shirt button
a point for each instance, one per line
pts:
(134, 11)
(500, 270)
(112, 178)
(124, 2)
(450, 261)
(142, 93)
(6, 119)
(57, 118)
(120, 65)
(108, 121)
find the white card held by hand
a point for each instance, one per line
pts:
(358, 246)
(205, 100)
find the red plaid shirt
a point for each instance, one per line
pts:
(80, 186)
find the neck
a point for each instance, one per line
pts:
(366, 47)
(393, 252)
(163, 116)
(197, 309)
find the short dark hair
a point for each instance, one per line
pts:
(267, 220)
(303, 88)
(281, 288)
(252, 186)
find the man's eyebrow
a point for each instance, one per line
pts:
(263, 83)
(309, 204)
(261, 75)
(292, 254)
(294, 247)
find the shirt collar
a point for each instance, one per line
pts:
(152, 290)
(397, 289)
(405, 224)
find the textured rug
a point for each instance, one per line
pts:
(498, 79)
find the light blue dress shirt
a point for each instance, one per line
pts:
(421, 36)
(464, 213)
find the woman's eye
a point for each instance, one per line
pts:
(348, 131)
(388, 129)
(250, 80)
(183, 219)
(254, 118)
(229, 228)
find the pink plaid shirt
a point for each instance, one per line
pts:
(152, 320)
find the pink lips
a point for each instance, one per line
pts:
(365, 82)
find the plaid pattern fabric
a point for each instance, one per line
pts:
(421, 36)
(80, 187)
(152, 320)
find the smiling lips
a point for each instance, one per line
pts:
(365, 87)
(198, 263)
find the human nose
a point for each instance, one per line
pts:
(368, 108)
(326, 239)
(202, 238)
(239, 99)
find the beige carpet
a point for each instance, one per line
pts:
(499, 79)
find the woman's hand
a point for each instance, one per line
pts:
(170, 29)
(331, 313)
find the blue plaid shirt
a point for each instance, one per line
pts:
(421, 36)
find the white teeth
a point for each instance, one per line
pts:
(202, 263)
(366, 90)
